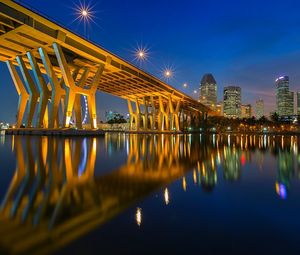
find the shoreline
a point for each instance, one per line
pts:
(100, 132)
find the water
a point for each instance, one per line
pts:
(150, 194)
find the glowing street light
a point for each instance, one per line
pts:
(195, 91)
(185, 85)
(84, 13)
(141, 53)
(168, 73)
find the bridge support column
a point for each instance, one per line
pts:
(73, 90)
(77, 103)
(145, 115)
(174, 115)
(152, 116)
(183, 120)
(57, 92)
(163, 115)
(33, 92)
(93, 90)
(22, 92)
(134, 117)
(45, 93)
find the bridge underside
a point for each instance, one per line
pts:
(57, 68)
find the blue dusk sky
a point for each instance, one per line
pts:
(243, 43)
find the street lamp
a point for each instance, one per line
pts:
(84, 13)
(168, 73)
(141, 53)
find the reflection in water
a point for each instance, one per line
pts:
(184, 183)
(56, 196)
(138, 216)
(166, 196)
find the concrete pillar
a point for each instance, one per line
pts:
(152, 114)
(92, 95)
(145, 115)
(132, 115)
(31, 88)
(163, 115)
(138, 114)
(21, 90)
(174, 120)
(73, 90)
(45, 93)
(57, 91)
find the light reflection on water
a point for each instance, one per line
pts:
(62, 189)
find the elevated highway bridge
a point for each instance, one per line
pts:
(58, 67)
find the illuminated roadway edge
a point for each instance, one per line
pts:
(23, 30)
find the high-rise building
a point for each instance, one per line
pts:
(246, 111)
(298, 103)
(260, 108)
(284, 97)
(208, 91)
(232, 102)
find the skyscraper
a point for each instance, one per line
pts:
(284, 97)
(232, 102)
(298, 103)
(246, 111)
(208, 91)
(259, 109)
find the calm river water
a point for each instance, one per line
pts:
(150, 194)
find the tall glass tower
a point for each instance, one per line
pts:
(232, 102)
(208, 91)
(284, 97)
(259, 109)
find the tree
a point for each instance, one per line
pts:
(117, 119)
(263, 120)
(275, 117)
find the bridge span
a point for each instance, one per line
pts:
(58, 67)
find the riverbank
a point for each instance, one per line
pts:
(100, 132)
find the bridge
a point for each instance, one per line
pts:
(58, 68)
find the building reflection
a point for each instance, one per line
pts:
(55, 196)
(232, 163)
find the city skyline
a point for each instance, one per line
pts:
(254, 73)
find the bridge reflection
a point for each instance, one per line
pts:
(55, 196)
